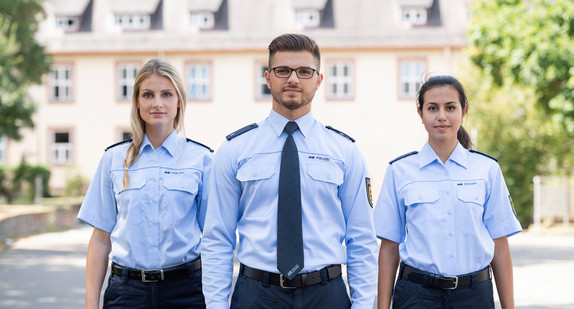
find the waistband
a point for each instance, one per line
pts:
(443, 282)
(156, 275)
(301, 280)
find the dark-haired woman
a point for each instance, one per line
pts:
(444, 214)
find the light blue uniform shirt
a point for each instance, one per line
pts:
(156, 222)
(445, 216)
(335, 207)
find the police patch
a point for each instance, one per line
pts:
(369, 191)
(512, 205)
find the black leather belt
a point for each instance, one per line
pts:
(157, 274)
(301, 280)
(443, 282)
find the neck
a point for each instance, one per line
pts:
(443, 149)
(157, 135)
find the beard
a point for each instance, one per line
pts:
(292, 102)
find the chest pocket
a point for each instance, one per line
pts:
(179, 198)
(325, 172)
(475, 195)
(129, 200)
(254, 172)
(421, 196)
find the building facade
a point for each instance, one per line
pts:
(375, 55)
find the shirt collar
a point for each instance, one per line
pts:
(278, 122)
(427, 155)
(171, 143)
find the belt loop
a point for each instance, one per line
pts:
(473, 281)
(323, 273)
(401, 269)
(125, 274)
(241, 269)
(266, 279)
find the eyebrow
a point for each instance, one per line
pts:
(447, 103)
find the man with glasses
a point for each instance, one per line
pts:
(298, 195)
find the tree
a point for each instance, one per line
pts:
(524, 89)
(529, 43)
(23, 62)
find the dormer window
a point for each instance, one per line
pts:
(68, 23)
(415, 15)
(203, 20)
(309, 18)
(133, 21)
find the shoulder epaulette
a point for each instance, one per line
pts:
(403, 156)
(241, 131)
(474, 151)
(200, 144)
(343, 134)
(119, 143)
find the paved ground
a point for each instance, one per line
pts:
(47, 271)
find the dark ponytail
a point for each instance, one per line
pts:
(447, 80)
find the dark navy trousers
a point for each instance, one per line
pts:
(169, 294)
(252, 294)
(411, 295)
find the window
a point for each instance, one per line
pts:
(307, 18)
(415, 15)
(410, 76)
(61, 148)
(125, 135)
(203, 20)
(126, 77)
(61, 83)
(339, 80)
(263, 91)
(198, 81)
(133, 21)
(68, 23)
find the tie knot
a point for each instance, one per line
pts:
(291, 127)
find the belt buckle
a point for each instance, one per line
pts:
(144, 279)
(282, 281)
(455, 282)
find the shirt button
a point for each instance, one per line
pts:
(450, 234)
(447, 193)
(448, 213)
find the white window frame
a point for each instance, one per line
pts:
(61, 82)
(133, 21)
(126, 78)
(61, 153)
(262, 91)
(410, 77)
(202, 20)
(308, 18)
(340, 80)
(68, 23)
(198, 81)
(417, 16)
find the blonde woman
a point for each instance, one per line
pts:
(147, 204)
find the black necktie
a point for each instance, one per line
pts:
(289, 227)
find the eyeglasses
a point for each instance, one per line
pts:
(301, 72)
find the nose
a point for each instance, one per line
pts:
(293, 78)
(441, 114)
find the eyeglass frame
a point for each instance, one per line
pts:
(294, 70)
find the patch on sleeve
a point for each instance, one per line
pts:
(512, 205)
(369, 191)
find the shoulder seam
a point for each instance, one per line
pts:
(341, 133)
(119, 143)
(200, 144)
(478, 152)
(241, 131)
(403, 156)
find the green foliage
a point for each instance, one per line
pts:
(23, 62)
(76, 185)
(20, 181)
(528, 43)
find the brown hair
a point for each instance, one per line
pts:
(294, 42)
